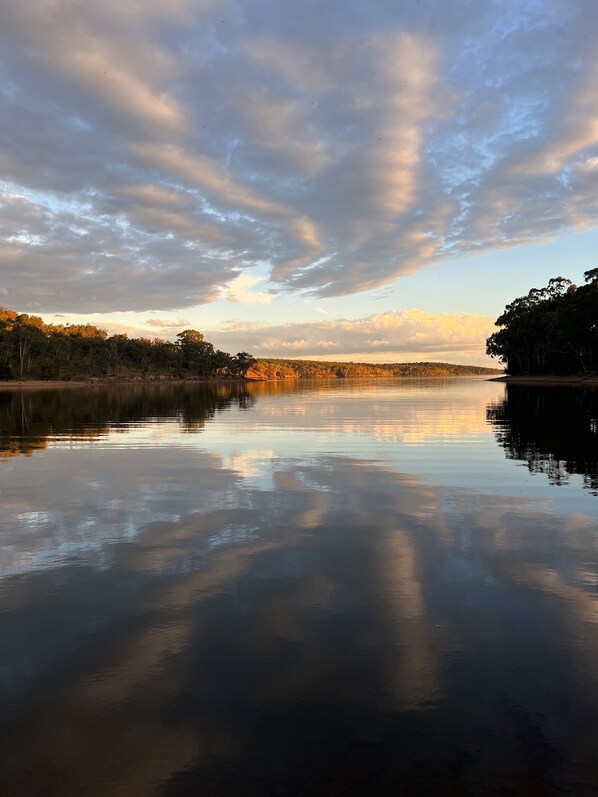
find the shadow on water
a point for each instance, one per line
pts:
(29, 419)
(553, 429)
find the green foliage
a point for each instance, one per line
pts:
(316, 369)
(552, 330)
(29, 348)
(242, 362)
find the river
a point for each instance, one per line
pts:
(368, 587)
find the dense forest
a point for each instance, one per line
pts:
(552, 330)
(318, 369)
(29, 348)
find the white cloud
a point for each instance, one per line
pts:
(168, 325)
(423, 335)
(160, 149)
(241, 290)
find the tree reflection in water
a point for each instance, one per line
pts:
(29, 419)
(553, 429)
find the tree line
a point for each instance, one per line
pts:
(30, 348)
(551, 330)
(271, 368)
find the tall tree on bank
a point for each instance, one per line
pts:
(552, 330)
(31, 348)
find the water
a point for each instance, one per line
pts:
(326, 588)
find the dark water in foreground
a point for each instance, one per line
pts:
(345, 588)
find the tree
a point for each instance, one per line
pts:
(551, 330)
(241, 363)
(28, 339)
(29, 347)
(222, 362)
(190, 342)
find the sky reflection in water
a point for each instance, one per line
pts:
(325, 588)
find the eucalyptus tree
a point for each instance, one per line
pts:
(550, 330)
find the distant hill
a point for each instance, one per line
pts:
(317, 369)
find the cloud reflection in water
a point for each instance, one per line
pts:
(177, 626)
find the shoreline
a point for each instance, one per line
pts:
(40, 384)
(591, 381)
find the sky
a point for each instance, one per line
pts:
(335, 180)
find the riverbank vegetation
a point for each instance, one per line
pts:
(32, 349)
(551, 330)
(318, 369)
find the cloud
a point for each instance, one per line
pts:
(375, 338)
(381, 337)
(240, 290)
(152, 152)
(284, 128)
(168, 324)
(54, 257)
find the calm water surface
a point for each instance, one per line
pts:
(328, 588)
